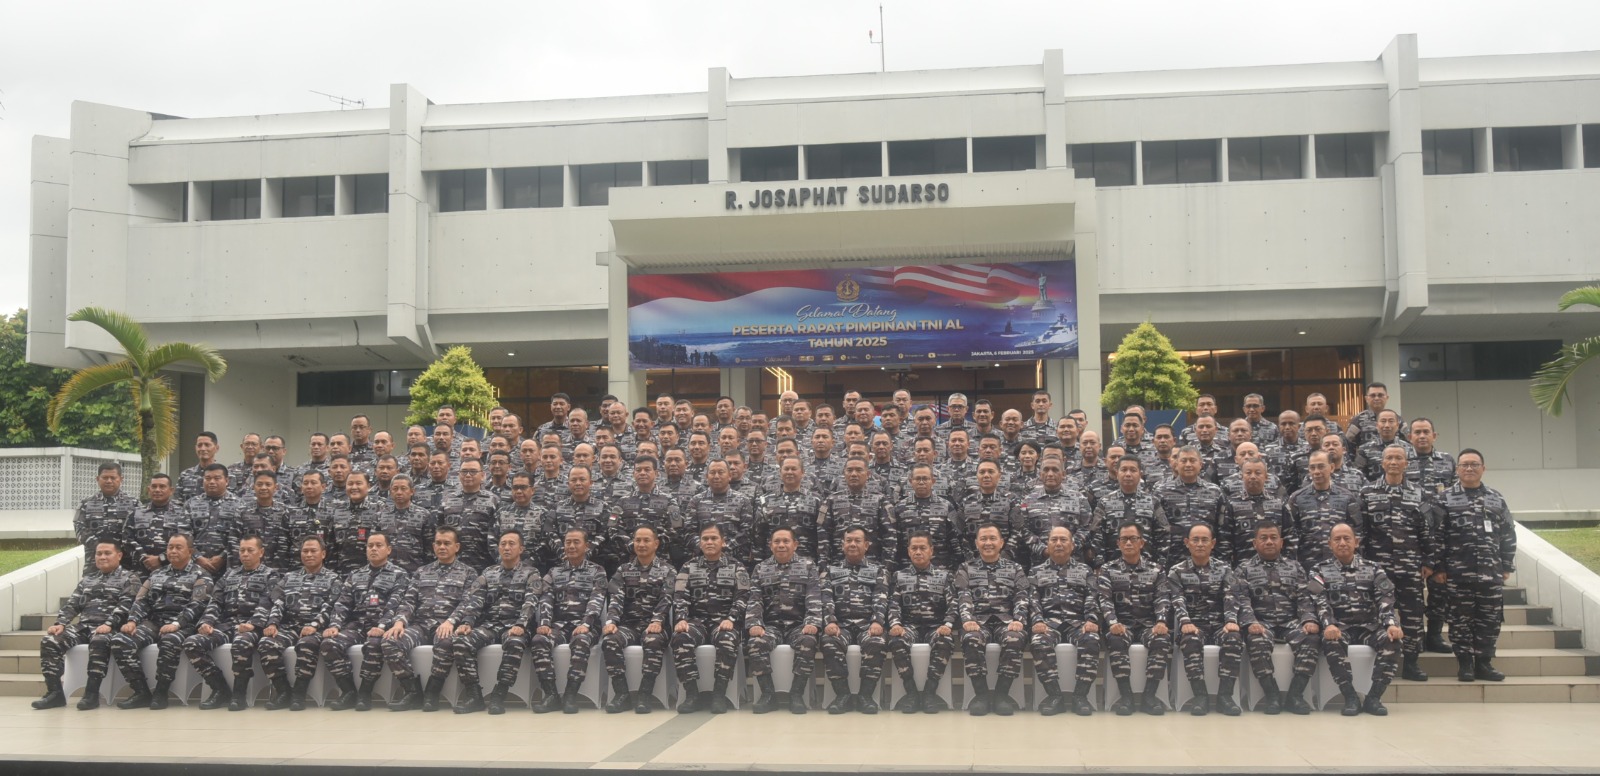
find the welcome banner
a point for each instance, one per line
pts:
(862, 316)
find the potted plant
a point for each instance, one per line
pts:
(1146, 370)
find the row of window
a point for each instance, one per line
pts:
(530, 187)
(296, 197)
(906, 157)
(1280, 157)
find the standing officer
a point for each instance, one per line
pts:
(785, 606)
(791, 506)
(470, 510)
(643, 505)
(1401, 539)
(152, 525)
(1065, 606)
(1129, 502)
(1314, 510)
(638, 613)
(534, 526)
(424, 616)
(105, 516)
(1478, 554)
(922, 510)
(1246, 509)
(922, 610)
(731, 511)
(708, 600)
(1277, 608)
(411, 528)
(1135, 612)
(354, 518)
(989, 503)
(499, 609)
(1355, 601)
(1051, 505)
(301, 608)
(993, 606)
(574, 600)
(236, 612)
(857, 505)
(1434, 471)
(1204, 598)
(165, 611)
(98, 604)
(366, 612)
(855, 602)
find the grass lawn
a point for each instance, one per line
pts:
(1583, 544)
(16, 553)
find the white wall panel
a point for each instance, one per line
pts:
(512, 260)
(1513, 226)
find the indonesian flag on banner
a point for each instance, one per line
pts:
(977, 283)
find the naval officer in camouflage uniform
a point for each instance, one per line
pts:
(993, 606)
(1135, 612)
(91, 614)
(1203, 596)
(922, 609)
(708, 600)
(165, 612)
(1478, 553)
(499, 609)
(574, 601)
(105, 516)
(1277, 608)
(785, 607)
(1065, 607)
(236, 613)
(365, 613)
(1402, 539)
(638, 613)
(437, 589)
(1355, 601)
(301, 608)
(855, 602)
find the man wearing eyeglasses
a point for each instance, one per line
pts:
(1479, 549)
(471, 511)
(1262, 431)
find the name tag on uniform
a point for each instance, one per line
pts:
(1488, 525)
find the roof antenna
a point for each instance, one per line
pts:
(344, 102)
(879, 41)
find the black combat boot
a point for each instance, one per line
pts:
(364, 696)
(1053, 701)
(843, 700)
(297, 701)
(161, 696)
(642, 700)
(241, 693)
(430, 694)
(411, 699)
(1125, 700)
(1374, 703)
(496, 702)
(1296, 702)
(931, 702)
(1435, 639)
(719, 703)
(53, 698)
(91, 693)
(1483, 670)
(800, 694)
(621, 699)
(1001, 702)
(282, 694)
(1152, 704)
(911, 701)
(1079, 700)
(1410, 671)
(347, 694)
(1352, 700)
(552, 698)
(693, 699)
(1465, 671)
(1224, 701)
(1200, 704)
(866, 700)
(569, 700)
(979, 687)
(471, 700)
(1271, 697)
(764, 703)
(220, 694)
(140, 698)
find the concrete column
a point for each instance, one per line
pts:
(742, 385)
(717, 162)
(199, 202)
(344, 195)
(1308, 161)
(409, 216)
(969, 154)
(493, 189)
(1222, 160)
(1059, 380)
(1405, 239)
(1383, 366)
(1483, 149)
(1138, 163)
(272, 198)
(621, 381)
(1086, 242)
(800, 163)
(884, 146)
(1572, 147)
(1055, 111)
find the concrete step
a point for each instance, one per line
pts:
(1516, 595)
(22, 639)
(26, 685)
(1538, 637)
(1515, 689)
(1523, 662)
(19, 661)
(1524, 614)
(37, 621)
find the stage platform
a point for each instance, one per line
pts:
(1415, 737)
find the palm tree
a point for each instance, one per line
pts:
(1549, 387)
(140, 370)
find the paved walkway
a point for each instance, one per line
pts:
(1424, 738)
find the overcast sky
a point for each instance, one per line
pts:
(224, 59)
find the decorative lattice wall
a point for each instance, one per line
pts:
(57, 477)
(32, 482)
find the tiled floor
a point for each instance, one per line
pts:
(1415, 737)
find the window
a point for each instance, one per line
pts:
(1283, 376)
(680, 172)
(1180, 161)
(233, 200)
(334, 389)
(1109, 164)
(371, 193)
(1448, 151)
(530, 187)
(595, 181)
(844, 160)
(1001, 154)
(462, 190)
(774, 163)
(928, 157)
(1264, 158)
(308, 196)
(1591, 145)
(1523, 149)
(1475, 360)
(1346, 156)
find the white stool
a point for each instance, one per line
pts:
(1282, 673)
(1180, 678)
(75, 674)
(1362, 658)
(921, 657)
(1067, 672)
(633, 671)
(991, 661)
(782, 663)
(1138, 660)
(223, 658)
(489, 660)
(383, 686)
(183, 681)
(591, 688)
(852, 664)
(317, 688)
(705, 659)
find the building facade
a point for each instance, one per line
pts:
(1292, 229)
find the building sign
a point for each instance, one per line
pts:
(864, 316)
(824, 197)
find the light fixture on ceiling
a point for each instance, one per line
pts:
(1301, 332)
(511, 352)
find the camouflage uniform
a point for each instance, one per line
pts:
(866, 509)
(412, 541)
(170, 596)
(1207, 598)
(1358, 599)
(472, 514)
(640, 596)
(268, 522)
(799, 511)
(729, 511)
(300, 600)
(1064, 600)
(1369, 457)
(347, 529)
(1189, 504)
(370, 598)
(241, 597)
(1434, 472)
(993, 595)
(499, 600)
(148, 532)
(1401, 539)
(632, 510)
(102, 519)
(784, 599)
(855, 597)
(705, 594)
(1131, 595)
(999, 508)
(939, 518)
(1242, 513)
(1276, 597)
(573, 596)
(201, 511)
(190, 483)
(301, 522)
(536, 526)
(98, 599)
(1478, 546)
(922, 601)
(435, 592)
(1118, 507)
(1310, 516)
